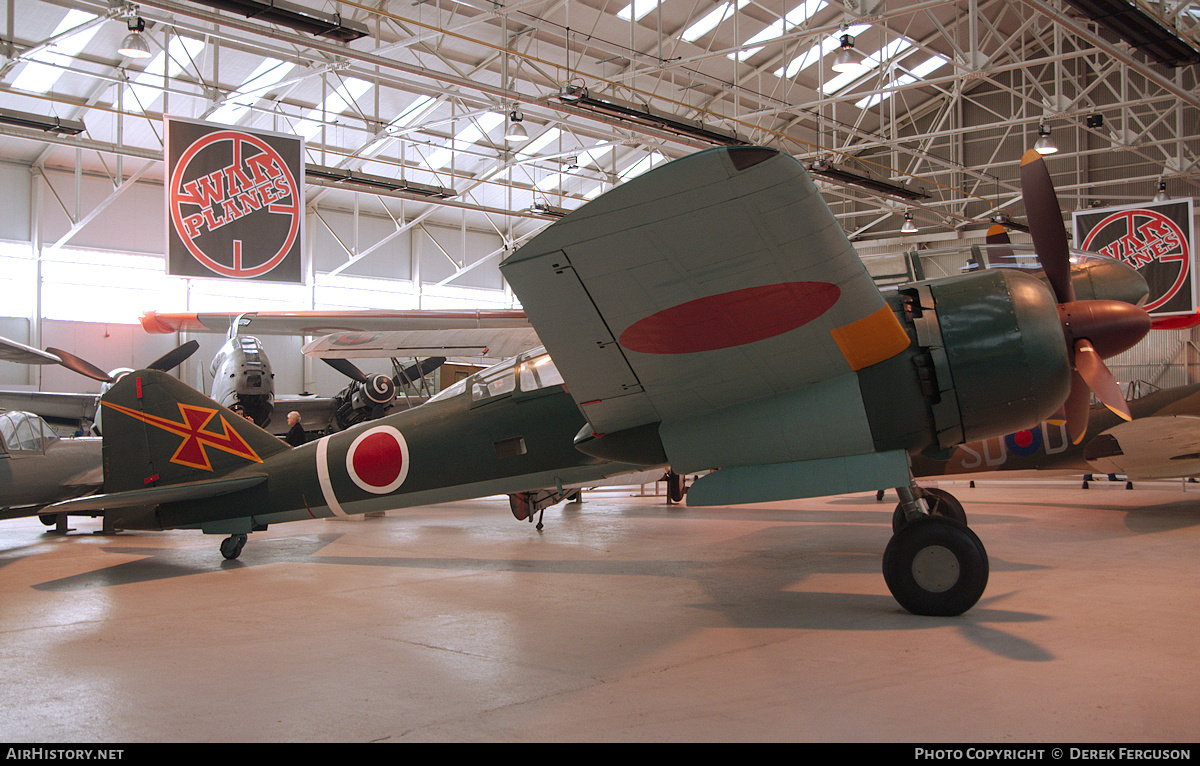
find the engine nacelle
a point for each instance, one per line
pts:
(993, 358)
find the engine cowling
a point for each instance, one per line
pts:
(993, 358)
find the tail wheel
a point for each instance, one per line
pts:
(940, 502)
(935, 566)
(676, 487)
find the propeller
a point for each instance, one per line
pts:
(1095, 329)
(167, 361)
(379, 389)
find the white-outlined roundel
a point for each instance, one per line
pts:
(377, 460)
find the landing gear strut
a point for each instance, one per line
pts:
(934, 564)
(231, 547)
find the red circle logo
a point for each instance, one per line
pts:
(1145, 239)
(230, 188)
(377, 460)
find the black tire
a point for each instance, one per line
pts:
(676, 487)
(936, 567)
(231, 547)
(49, 519)
(941, 503)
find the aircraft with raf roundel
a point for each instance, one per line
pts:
(645, 299)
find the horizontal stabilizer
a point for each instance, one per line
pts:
(1165, 447)
(805, 478)
(193, 490)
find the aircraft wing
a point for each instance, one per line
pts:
(494, 343)
(327, 322)
(12, 351)
(1160, 447)
(60, 408)
(717, 296)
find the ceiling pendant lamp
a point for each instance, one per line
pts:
(847, 59)
(133, 46)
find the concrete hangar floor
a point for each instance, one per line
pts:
(623, 620)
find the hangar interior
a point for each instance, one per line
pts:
(950, 95)
(414, 194)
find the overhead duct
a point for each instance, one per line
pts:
(846, 175)
(302, 19)
(48, 124)
(644, 115)
(366, 181)
(1142, 29)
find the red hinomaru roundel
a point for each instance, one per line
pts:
(377, 460)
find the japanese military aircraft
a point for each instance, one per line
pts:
(38, 468)
(645, 299)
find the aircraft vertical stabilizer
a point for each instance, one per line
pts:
(160, 432)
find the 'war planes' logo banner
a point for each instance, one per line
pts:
(1156, 239)
(235, 202)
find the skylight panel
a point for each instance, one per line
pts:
(265, 77)
(37, 76)
(926, 68)
(337, 102)
(637, 9)
(401, 121)
(527, 152)
(818, 52)
(146, 88)
(479, 127)
(874, 61)
(711, 20)
(793, 18)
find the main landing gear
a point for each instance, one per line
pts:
(934, 564)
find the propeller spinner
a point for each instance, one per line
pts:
(1094, 329)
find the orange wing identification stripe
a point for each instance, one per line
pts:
(872, 339)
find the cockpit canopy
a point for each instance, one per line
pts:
(526, 373)
(24, 433)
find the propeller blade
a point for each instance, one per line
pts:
(999, 246)
(1045, 225)
(347, 368)
(175, 357)
(1092, 369)
(415, 372)
(83, 367)
(1076, 408)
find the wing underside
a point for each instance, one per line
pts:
(717, 291)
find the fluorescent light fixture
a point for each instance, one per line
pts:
(41, 122)
(286, 14)
(1138, 25)
(354, 178)
(644, 115)
(848, 176)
